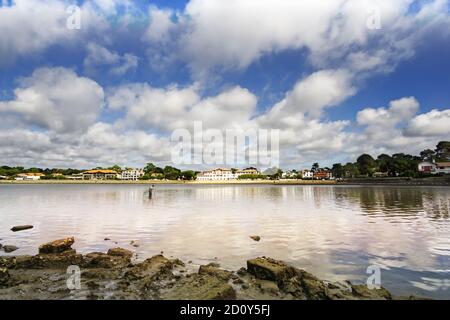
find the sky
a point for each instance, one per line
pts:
(107, 82)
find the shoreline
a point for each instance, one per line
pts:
(436, 181)
(115, 275)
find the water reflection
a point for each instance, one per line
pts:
(334, 231)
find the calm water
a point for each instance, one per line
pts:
(334, 232)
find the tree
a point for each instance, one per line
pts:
(171, 173)
(427, 155)
(150, 169)
(443, 151)
(350, 170)
(386, 164)
(188, 175)
(315, 167)
(366, 164)
(337, 170)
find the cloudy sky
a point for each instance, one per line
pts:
(337, 77)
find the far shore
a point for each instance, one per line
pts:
(434, 181)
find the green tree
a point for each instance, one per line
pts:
(315, 167)
(116, 168)
(188, 175)
(366, 164)
(351, 170)
(171, 173)
(427, 155)
(443, 151)
(386, 164)
(337, 170)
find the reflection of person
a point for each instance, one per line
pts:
(150, 191)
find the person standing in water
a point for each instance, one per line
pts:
(150, 191)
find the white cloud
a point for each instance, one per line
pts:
(56, 99)
(431, 124)
(101, 56)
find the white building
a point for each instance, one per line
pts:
(132, 174)
(307, 174)
(426, 167)
(434, 168)
(220, 174)
(29, 176)
(443, 167)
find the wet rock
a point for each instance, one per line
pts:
(152, 268)
(103, 260)
(46, 261)
(200, 287)
(20, 228)
(255, 238)
(120, 252)
(362, 291)
(135, 244)
(57, 246)
(5, 278)
(306, 285)
(268, 286)
(9, 248)
(107, 239)
(270, 269)
(214, 271)
(1, 245)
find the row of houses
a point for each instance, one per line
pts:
(96, 174)
(308, 174)
(225, 174)
(434, 167)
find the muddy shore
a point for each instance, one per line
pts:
(115, 275)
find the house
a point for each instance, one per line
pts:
(289, 174)
(3, 177)
(219, 174)
(322, 175)
(426, 167)
(100, 175)
(434, 167)
(442, 167)
(247, 171)
(75, 176)
(132, 174)
(307, 174)
(31, 176)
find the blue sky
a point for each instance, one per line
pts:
(334, 86)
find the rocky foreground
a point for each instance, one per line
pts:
(113, 275)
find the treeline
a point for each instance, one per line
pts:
(13, 171)
(396, 165)
(168, 173)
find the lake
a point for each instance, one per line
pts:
(335, 232)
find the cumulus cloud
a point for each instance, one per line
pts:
(398, 128)
(362, 35)
(431, 124)
(100, 56)
(56, 99)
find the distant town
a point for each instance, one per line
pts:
(429, 163)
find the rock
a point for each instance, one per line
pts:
(120, 252)
(270, 269)
(9, 248)
(1, 245)
(106, 261)
(134, 244)
(57, 246)
(107, 239)
(256, 238)
(212, 270)
(154, 267)
(362, 291)
(200, 287)
(20, 228)
(5, 278)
